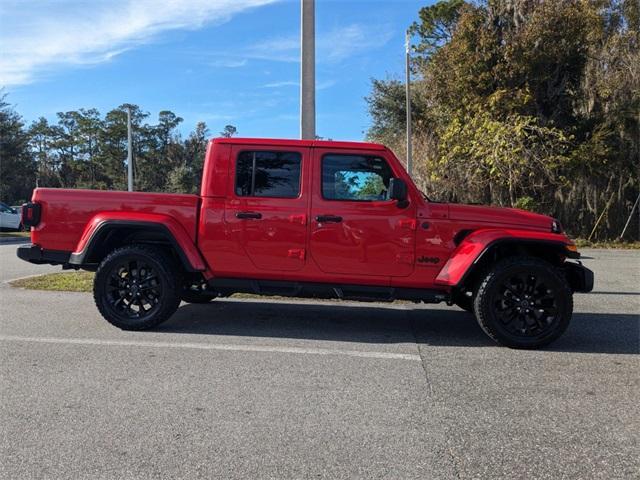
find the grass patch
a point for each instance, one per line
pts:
(58, 282)
(15, 234)
(80, 281)
(582, 243)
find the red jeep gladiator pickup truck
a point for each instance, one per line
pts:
(313, 219)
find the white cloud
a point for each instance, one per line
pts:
(325, 84)
(286, 83)
(333, 46)
(228, 63)
(353, 39)
(37, 35)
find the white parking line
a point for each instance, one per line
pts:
(212, 346)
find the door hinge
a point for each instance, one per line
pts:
(298, 253)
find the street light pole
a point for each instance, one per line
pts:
(408, 101)
(307, 70)
(129, 152)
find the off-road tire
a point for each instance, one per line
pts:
(494, 302)
(162, 293)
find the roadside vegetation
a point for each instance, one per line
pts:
(582, 243)
(85, 149)
(15, 234)
(63, 282)
(532, 104)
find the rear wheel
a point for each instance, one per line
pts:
(524, 302)
(136, 287)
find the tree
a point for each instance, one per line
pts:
(195, 150)
(84, 149)
(41, 138)
(436, 26)
(520, 102)
(17, 166)
(229, 131)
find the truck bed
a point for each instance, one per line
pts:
(66, 213)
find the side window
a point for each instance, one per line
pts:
(268, 174)
(355, 177)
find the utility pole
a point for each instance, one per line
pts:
(408, 100)
(129, 152)
(307, 70)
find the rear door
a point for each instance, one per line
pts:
(266, 209)
(355, 228)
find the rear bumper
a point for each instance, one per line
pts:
(34, 254)
(580, 278)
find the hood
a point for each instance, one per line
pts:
(499, 216)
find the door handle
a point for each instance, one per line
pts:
(328, 219)
(248, 215)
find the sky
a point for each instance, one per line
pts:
(218, 61)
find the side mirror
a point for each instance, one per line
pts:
(397, 189)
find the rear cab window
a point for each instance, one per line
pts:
(270, 174)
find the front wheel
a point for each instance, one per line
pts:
(524, 302)
(136, 287)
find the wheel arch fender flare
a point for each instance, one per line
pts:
(467, 255)
(164, 226)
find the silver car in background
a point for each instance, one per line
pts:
(10, 217)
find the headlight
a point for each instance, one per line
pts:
(556, 227)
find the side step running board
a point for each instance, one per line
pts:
(361, 293)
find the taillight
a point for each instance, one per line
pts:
(31, 214)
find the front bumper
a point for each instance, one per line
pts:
(579, 277)
(35, 254)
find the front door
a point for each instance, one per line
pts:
(355, 228)
(266, 210)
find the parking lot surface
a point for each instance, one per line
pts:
(297, 389)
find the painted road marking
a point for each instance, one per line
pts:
(211, 346)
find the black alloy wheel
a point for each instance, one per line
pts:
(525, 305)
(524, 302)
(135, 287)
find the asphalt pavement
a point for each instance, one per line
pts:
(297, 389)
